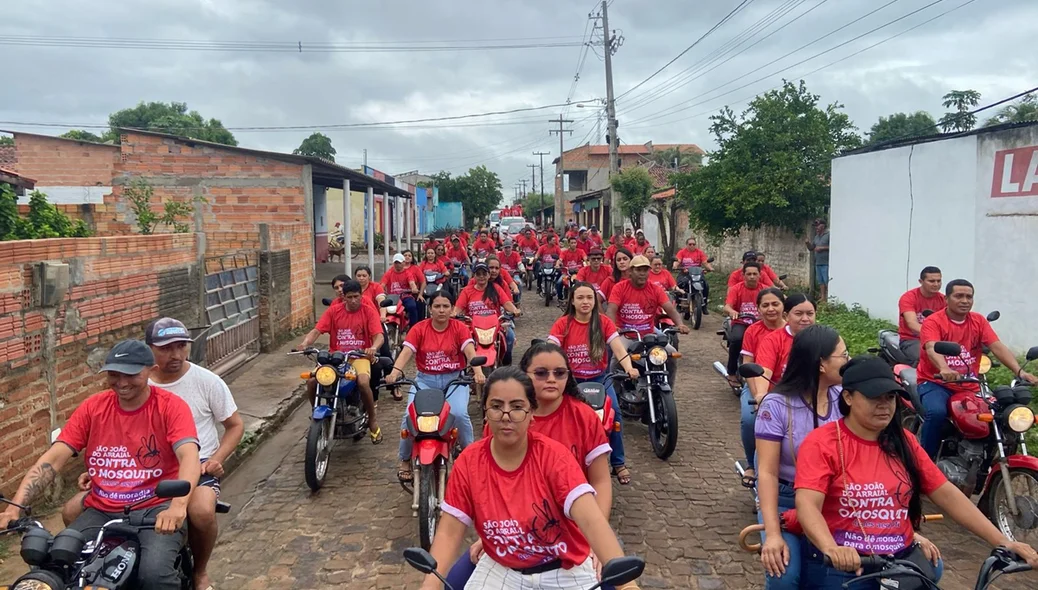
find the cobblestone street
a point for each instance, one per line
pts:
(683, 515)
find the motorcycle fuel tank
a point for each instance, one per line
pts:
(964, 408)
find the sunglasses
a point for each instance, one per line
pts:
(542, 374)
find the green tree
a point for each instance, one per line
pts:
(81, 135)
(1026, 109)
(961, 119)
(6, 140)
(139, 193)
(43, 221)
(668, 157)
(772, 166)
(635, 188)
(172, 118)
(479, 190)
(318, 145)
(902, 126)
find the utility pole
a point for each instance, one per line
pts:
(522, 194)
(614, 164)
(540, 200)
(560, 196)
(365, 158)
(533, 177)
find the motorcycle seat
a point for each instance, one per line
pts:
(909, 377)
(891, 339)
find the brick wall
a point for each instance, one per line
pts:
(49, 357)
(785, 252)
(54, 161)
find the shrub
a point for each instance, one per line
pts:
(43, 221)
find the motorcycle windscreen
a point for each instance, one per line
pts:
(594, 394)
(429, 402)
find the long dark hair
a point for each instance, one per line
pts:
(490, 293)
(547, 347)
(509, 373)
(800, 378)
(893, 441)
(597, 344)
(616, 271)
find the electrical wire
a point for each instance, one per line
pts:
(719, 24)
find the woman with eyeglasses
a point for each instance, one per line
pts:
(527, 498)
(621, 262)
(769, 305)
(587, 336)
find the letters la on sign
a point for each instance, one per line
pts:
(1016, 173)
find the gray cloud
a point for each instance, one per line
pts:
(976, 47)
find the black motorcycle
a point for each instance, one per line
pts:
(893, 574)
(528, 275)
(691, 300)
(549, 274)
(457, 281)
(725, 334)
(433, 285)
(110, 561)
(651, 399)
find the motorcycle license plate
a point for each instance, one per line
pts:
(697, 285)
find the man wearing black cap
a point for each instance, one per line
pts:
(133, 436)
(736, 277)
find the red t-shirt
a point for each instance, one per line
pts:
(689, 258)
(350, 330)
(574, 338)
(547, 254)
(637, 248)
(128, 453)
(458, 256)
(549, 234)
(743, 300)
(596, 239)
(522, 516)
(397, 282)
(736, 279)
(370, 295)
(528, 246)
(472, 304)
(752, 338)
(585, 246)
(465, 238)
(773, 351)
(637, 309)
(445, 261)
(629, 241)
(610, 253)
(430, 245)
(438, 352)
(867, 490)
(913, 300)
(767, 273)
(427, 266)
(973, 334)
(572, 234)
(483, 247)
(597, 279)
(663, 278)
(510, 262)
(573, 259)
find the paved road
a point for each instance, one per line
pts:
(682, 516)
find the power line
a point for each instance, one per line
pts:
(720, 23)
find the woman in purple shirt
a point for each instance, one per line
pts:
(803, 400)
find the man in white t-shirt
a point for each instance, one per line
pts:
(211, 402)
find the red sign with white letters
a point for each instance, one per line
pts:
(1016, 173)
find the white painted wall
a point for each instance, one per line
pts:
(895, 211)
(71, 195)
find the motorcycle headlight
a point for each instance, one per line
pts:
(485, 336)
(985, 364)
(1021, 419)
(325, 375)
(428, 424)
(658, 355)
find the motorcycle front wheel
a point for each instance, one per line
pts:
(663, 434)
(1024, 527)
(315, 466)
(697, 313)
(428, 503)
(548, 292)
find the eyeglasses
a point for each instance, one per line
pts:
(542, 374)
(514, 415)
(845, 356)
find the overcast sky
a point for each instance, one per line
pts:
(984, 46)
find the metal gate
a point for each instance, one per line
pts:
(232, 309)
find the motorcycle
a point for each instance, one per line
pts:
(548, 276)
(396, 323)
(431, 425)
(111, 560)
(615, 572)
(651, 399)
(595, 396)
(338, 411)
(983, 450)
(690, 299)
(567, 280)
(889, 345)
(457, 280)
(488, 333)
(433, 285)
(528, 276)
(725, 334)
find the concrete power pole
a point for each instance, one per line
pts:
(533, 177)
(541, 200)
(522, 194)
(614, 164)
(560, 196)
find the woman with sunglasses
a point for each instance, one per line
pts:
(802, 401)
(527, 498)
(587, 336)
(621, 262)
(860, 487)
(769, 305)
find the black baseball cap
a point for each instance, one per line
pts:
(480, 266)
(870, 376)
(128, 357)
(749, 255)
(165, 331)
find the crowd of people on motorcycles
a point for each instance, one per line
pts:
(835, 474)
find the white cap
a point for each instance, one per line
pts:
(398, 257)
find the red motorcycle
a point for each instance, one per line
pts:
(431, 425)
(488, 333)
(396, 321)
(595, 396)
(983, 450)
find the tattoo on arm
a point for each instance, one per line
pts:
(37, 481)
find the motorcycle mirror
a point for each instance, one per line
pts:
(947, 348)
(385, 362)
(420, 559)
(387, 303)
(782, 277)
(621, 570)
(994, 316)
(926, 313)
(1032, 353)
(326, 301)
(750, 370)
(478, 361)
(172, 488)
(711, 259)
